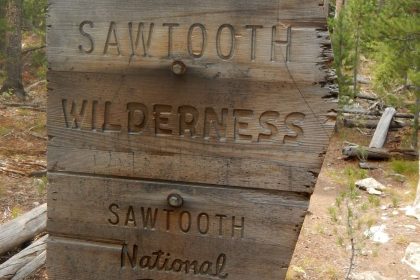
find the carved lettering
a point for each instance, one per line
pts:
(188, 117)
(162, 261)
(203, 35)
(221, 217)
(113, 209)
(287, 43)
(112, 32)
(232, 42)
(87, 35)
(131, 258)
(211, 120)
(75, 118)
(171, 27)
(168, 218)
(108, 126)
(145, 43)
(139, 40)
(149, 218)
(240, 227)
(215, 125)
(94, 114)
(267, 122)
(130, 218)
(185, 224)
(162, 113)
(294, 123)
(206, 218)
(253, 39)
(137, 117)
(242, 119)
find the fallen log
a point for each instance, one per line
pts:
(25, 106)
(26, 262)
(32, 267)
(23, 228)
(366, 123)
(379, 137)
(366, 153)
(369, 113)
(32, 86)
(365, 96)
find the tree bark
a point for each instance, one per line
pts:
(339, 4)
(14, 48)
(2, 26)
(416, 122)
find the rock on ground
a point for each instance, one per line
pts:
(371, 186)
(369, 275)
(412, 256)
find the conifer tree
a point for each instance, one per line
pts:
(396, 46)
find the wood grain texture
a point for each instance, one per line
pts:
(220, 102)
(22, 229)
(23, 263)
(257, 231)
(379, 137)
(88, 37)
(280, 146)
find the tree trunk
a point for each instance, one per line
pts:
(2, 27)
(14, 48)
(416, 122)
(338, 6)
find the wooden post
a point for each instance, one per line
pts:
(184, 140)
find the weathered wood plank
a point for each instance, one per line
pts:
(264, 40)
(217, 132)
(93, 260)
(242, 172)
(219, 102)
(256, 230)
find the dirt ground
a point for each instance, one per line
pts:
(319, 254)
(323, 248)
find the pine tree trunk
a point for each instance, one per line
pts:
(356, 59)
(416, 123)
(14, 48)
(2, 35)
(339, 4)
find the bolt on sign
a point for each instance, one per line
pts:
(185, 137)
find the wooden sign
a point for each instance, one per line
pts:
(185, 137)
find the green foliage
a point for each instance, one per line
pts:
(405, 167)
(41, 185)
(389, 35)
(34, 12)
(351, 28)
(396, 45)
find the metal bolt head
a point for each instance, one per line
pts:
(178, 68)
(175, 200)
